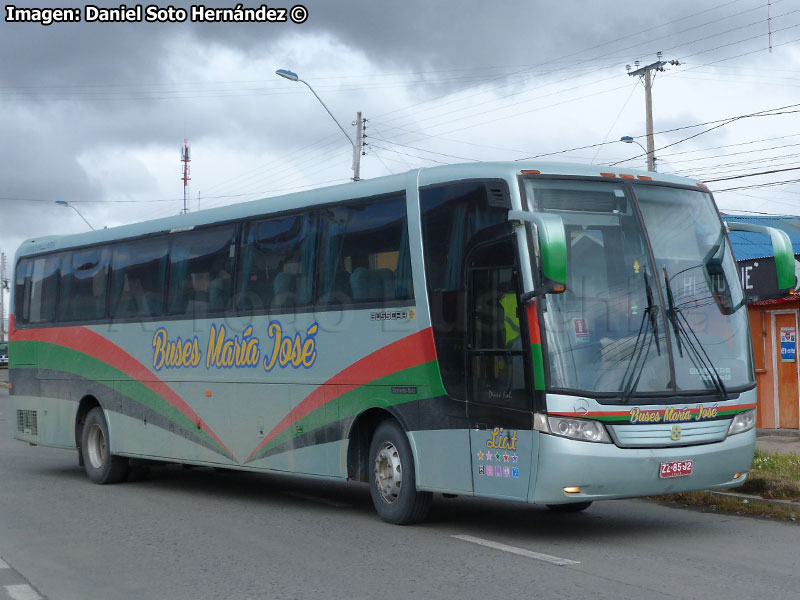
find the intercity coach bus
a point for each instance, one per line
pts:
(549, 333)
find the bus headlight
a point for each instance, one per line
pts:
(743, 422)
(584, 430)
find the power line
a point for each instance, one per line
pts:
(770, 172)
(720, 123)
(424, 150)
(759, 185)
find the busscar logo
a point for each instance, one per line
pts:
(392, 315)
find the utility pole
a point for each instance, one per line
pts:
(647, 79)
(357, 147)
(3, 286)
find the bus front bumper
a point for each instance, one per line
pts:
(605, 471)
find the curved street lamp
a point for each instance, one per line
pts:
(292, 76)
(68, 205)
(629, 140)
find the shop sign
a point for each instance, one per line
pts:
(788, 345)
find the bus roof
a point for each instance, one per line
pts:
(331, 194)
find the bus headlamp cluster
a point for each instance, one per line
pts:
(579, 429)
(743, 422)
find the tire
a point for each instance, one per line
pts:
(100, 465)
(392, 479)
(574, 507)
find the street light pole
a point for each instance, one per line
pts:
(68, 205)
(292, 76)
(3, 288)
(629, 140)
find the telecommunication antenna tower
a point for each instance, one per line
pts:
(185, 159)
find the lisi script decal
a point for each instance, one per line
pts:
(501, 441)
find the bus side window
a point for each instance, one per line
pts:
(364, 253)
(277, 264)
(42, 289)
(22, 290)
(138, 275)
(200, 268)
(84, 277)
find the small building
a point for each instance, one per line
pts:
(774, 322)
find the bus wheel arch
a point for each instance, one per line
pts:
(359, 438)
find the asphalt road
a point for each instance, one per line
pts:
(195, 534)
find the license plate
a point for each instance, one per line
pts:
(677, 468)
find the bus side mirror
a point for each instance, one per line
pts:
(552, 246)
(782, 250)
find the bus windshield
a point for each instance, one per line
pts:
(653, 308)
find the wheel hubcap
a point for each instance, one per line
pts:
(96, 446)
(388, 472)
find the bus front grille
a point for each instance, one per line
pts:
(28, 422)
(660, 435)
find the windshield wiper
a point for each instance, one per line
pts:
(695, 349)
(635, 367)
(672, 314)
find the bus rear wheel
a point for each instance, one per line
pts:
(101, 466)
(392, 479)
(573, 507)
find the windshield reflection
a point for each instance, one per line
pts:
(626, 326)
(692, 251)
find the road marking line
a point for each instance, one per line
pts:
(555, 560)
(3, 565)
(22, 592)
(316, 499)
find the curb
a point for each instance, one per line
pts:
(785, 433)
(749, 498)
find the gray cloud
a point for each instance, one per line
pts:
(72, 90)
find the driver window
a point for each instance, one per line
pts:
(497, 367)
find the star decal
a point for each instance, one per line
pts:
(506, 457)
(488, 456)
(514, 458)
(480, 455)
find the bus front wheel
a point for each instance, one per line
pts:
(392, 479)
(101, 466)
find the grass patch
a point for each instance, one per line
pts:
(774, 476)
(784, 466)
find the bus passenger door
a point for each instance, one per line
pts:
(500, 399)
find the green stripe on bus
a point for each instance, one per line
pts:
(377, 393)
(538, 366)
(59, 358)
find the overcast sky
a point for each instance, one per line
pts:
(96, 113)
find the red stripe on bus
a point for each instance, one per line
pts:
(86, 341)
(411, 351)
(625, 413)
(533, 323)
